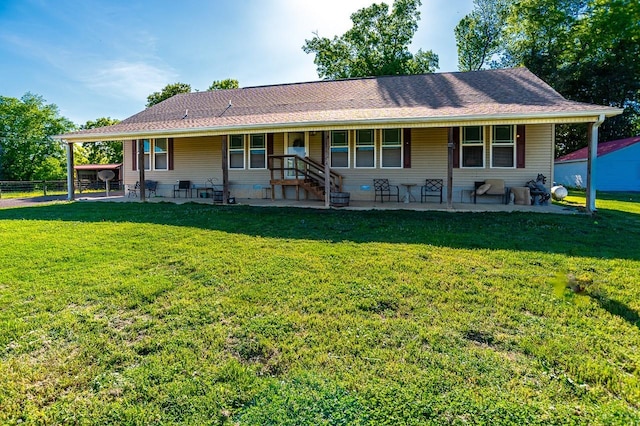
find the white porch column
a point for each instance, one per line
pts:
(70, 186)
(591, 165)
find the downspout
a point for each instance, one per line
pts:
(591, 165)
(70, 187)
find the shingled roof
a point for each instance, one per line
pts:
(437, 98)
(604, 148)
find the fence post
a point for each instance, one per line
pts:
(44, 187)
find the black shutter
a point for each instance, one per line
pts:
(407, 149)
(170, 152)
(269, 143)
(520, 146)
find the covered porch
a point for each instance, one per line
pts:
(353, 205)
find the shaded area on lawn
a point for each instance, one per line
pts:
(612, 234)
(616, 308)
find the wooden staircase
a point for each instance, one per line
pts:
(301, 173)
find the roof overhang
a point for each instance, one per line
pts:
(414, 122)
(98, 166)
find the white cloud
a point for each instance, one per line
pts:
(132, 80)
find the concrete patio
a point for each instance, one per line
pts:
(353, 205)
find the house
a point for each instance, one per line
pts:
(617, 166)
(87, 175)
(460, 127)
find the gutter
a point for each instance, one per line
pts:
(328, 125)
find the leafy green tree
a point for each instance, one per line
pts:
(587, 50)
(26, 144)
(168, 91)
(479, 34)
(377, 44)
(228, 83)
(104, 151)
(51, 168)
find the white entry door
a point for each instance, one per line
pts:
(296, 145)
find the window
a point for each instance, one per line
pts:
(258, 151)
(503, 147)
(236, 152)
(339, 149)
(391, 148)
(156, 154)
(146, 143)
(365, 149)
(160, 154)
(472, 146)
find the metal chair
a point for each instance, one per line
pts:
(133, 191)
(431, 188)
(151, 186)
(183, 185)
(384, 189)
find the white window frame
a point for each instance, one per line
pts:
(348, 147)
(165, 152)
(400, 145)
(464, 142)
(231, 151)
(365, 148)
(251, 149)
(504, 144)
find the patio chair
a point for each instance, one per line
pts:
(384, 189)
(431, 188)
(133, 192)
(183, 185)
(151, 186)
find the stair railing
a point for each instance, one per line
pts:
(285, 166)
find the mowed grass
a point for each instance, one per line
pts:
(197, 314)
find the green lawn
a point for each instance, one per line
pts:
(115, 313)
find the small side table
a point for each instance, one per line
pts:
(466, 194)
(408, 196)
(266, 192)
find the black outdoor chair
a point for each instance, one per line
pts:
(151, 186)
(384, 189)
(183, 185)
(431, 188)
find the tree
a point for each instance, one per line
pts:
(26, 144)
(228, 83)
(587, 50)
(377, 44)
(168, 91)
(105, 151)
(479, 34)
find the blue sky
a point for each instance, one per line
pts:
(103, 58)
